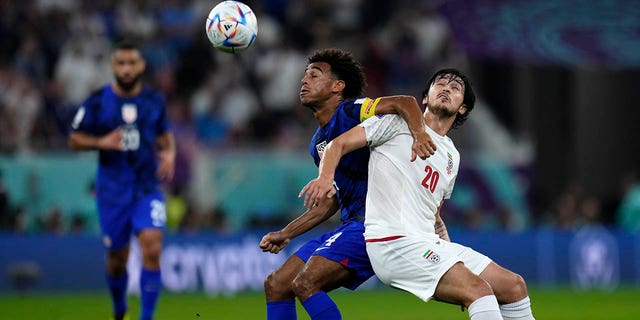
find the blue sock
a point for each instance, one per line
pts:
(320, 307)
(118, 291)
(150, 285)
(281, 310)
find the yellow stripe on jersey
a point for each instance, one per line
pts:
(368, 108)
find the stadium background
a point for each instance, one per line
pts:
(548, 185)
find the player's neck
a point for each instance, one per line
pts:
(324, 111)
(438, 124)
(121, 92)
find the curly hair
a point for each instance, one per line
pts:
(345, 67)
(469, 96)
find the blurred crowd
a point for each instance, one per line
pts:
(56, 52)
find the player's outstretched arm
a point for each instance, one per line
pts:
(407, 107)
(275, 241)
(83, 141)
(322, 186)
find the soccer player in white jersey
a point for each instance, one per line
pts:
(407, 240)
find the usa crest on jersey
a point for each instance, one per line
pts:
(129, 113)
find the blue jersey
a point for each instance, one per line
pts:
(125, 176)
(351, 173)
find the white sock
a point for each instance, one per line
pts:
(485, 308)
(519, 310)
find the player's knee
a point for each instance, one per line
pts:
(303, 287)
(479, 289)
(152, 253)
(518, 288)
(116, 263)
(275, 289)
(116, 268)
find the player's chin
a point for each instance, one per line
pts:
(305, 100)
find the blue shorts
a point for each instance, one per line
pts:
(344, 245)
(118, 222)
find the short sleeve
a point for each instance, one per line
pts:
(381, 128)
(84, 119)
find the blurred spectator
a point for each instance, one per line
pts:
(474, 219)
(53, 221)
(177, 208)
(186, 141)
(21, 220)
(30, 60)
(629, 209)
(590, 212)
(505, 218)
(135, 18)
(78, 224)
(565, 214)
(176, 20)
(238, 104)
(210, 127)
(279, 73)
(5, 209)
(79, 73)
(21, 103)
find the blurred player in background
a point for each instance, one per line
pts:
(407, 240)
(332, 81)
(127, 122)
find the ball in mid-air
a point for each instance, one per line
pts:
(231, 26)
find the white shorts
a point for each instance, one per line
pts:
(416, 264)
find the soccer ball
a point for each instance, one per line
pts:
(231, 26)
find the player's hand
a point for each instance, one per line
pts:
(166, 165)
(274, 242)
(112, 140)
(315, 189)
(423, 146)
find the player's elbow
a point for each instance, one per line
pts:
(73, 143)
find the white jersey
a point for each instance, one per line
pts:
(403, 196)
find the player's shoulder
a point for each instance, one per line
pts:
(359, 102)
(451, 149)
(94, 99)
(152, 94)
(352, 107)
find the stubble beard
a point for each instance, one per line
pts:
(128, 86)
(441, 111)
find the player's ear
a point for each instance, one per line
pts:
(462, 109)
(338, 85)
(143, 64)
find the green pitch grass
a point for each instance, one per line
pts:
(384, 304)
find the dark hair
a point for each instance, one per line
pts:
(126, 44)
(345, 67)
(469, 96)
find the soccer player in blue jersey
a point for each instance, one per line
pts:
(127, 123)
(331, 87)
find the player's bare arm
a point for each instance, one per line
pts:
(407, 107)
(322, 186)
(275, 241)
(439, 226)
(167, 156)
(110, 141)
